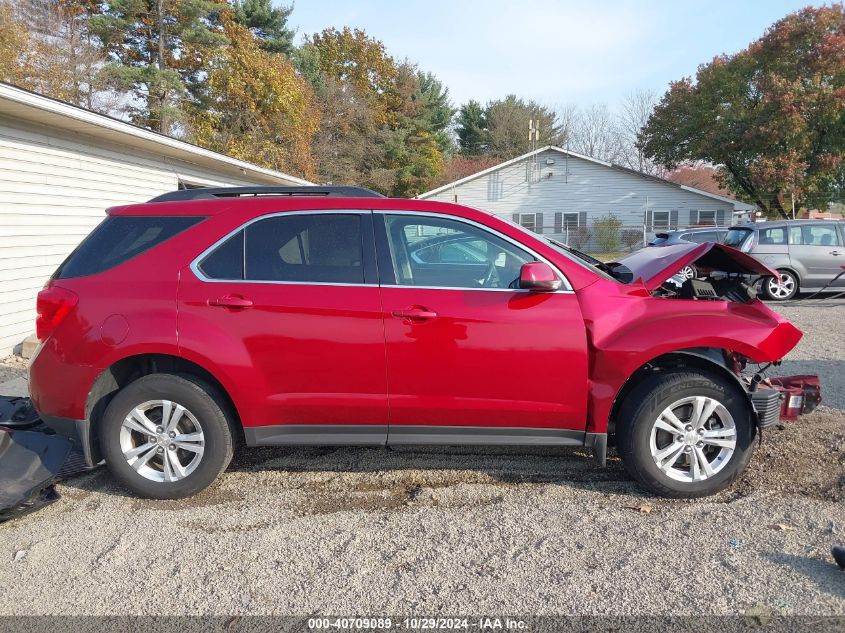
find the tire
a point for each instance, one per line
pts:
(642, 440)
(781, 289)
(156, 464)
(689, 272)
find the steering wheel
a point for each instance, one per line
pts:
(491, 276)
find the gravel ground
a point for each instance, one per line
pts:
(427, 532)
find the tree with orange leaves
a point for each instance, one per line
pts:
(771, 117)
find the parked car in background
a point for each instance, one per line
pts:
(808, 254)
(335, 316)
(697, 235)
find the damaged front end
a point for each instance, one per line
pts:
(718, 305)
(783, 398)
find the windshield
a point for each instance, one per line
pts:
(593, 264)
(736, 237)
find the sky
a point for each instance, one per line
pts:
(556, 52)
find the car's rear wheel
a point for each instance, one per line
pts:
(781, 288)
(166, 436)
(686, 433)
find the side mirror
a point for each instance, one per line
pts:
(539, 277)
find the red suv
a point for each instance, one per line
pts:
(334, 316)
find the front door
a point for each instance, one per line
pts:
(469, 355)
(289, 309)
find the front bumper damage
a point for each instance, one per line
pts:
(32, 459)
(784, 398)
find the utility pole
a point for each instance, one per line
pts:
(792, 195)
(533, 137)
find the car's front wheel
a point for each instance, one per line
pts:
(166, 436)
(686, 433)
(781, 288)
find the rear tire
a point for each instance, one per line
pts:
(782, 289)
(166, 436)
(687, 433)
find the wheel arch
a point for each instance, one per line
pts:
(711, 359)
(129, 369)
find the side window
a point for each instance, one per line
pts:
(446, 253)
(814, 235)
(226, 261)
(325, 248)
(704, 236)
(774, 235)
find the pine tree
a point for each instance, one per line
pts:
(159, 51)
(268, 24)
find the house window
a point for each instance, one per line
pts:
(570, 221)
(494, 187)
(529, 221)
(660, 220)
(705, 218)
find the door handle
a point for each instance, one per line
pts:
(415, 313)
(835, 253)
(231, 301)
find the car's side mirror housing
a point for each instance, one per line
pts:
(538, 277)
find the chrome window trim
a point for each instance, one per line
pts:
(201, 276)
(195, 269)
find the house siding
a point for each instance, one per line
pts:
(576, 185)
(54, 188)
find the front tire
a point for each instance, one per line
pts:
(686, 433)
(782, 288)
(166, 436)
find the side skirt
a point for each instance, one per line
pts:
(381, 435)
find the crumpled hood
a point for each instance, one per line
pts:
(652, 266)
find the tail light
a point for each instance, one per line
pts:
(53, 305)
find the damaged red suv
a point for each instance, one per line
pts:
(334, 316)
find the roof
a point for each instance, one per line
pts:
(22, 104)
(736, 203)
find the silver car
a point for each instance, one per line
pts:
(808, 254)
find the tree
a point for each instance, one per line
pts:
(507, 126)
(159, 51)
(472, 129)
(14, 42)
(702, 177)
(770, 117)
(607, 232)
(384, 124)
(48, 48)
(268, 24)
(595, 134)
(635, 110)
(359, 63)
(257, 107)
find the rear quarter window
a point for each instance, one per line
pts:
(118, 239)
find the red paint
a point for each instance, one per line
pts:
(332, 354)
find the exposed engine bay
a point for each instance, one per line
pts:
(714, 272)
(736, 289)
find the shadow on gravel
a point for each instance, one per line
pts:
(805, 459)
(824, 573)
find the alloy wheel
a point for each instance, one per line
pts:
(162, 440)
(783, 287)
(688, 272)
(693, 439)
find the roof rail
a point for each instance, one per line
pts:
(210, 193)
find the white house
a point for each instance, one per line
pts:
(60, 167)
(558, 192)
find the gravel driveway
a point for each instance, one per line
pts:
(427, 532)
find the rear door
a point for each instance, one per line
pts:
(288, 308)
(471, 357)
(817, 248)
